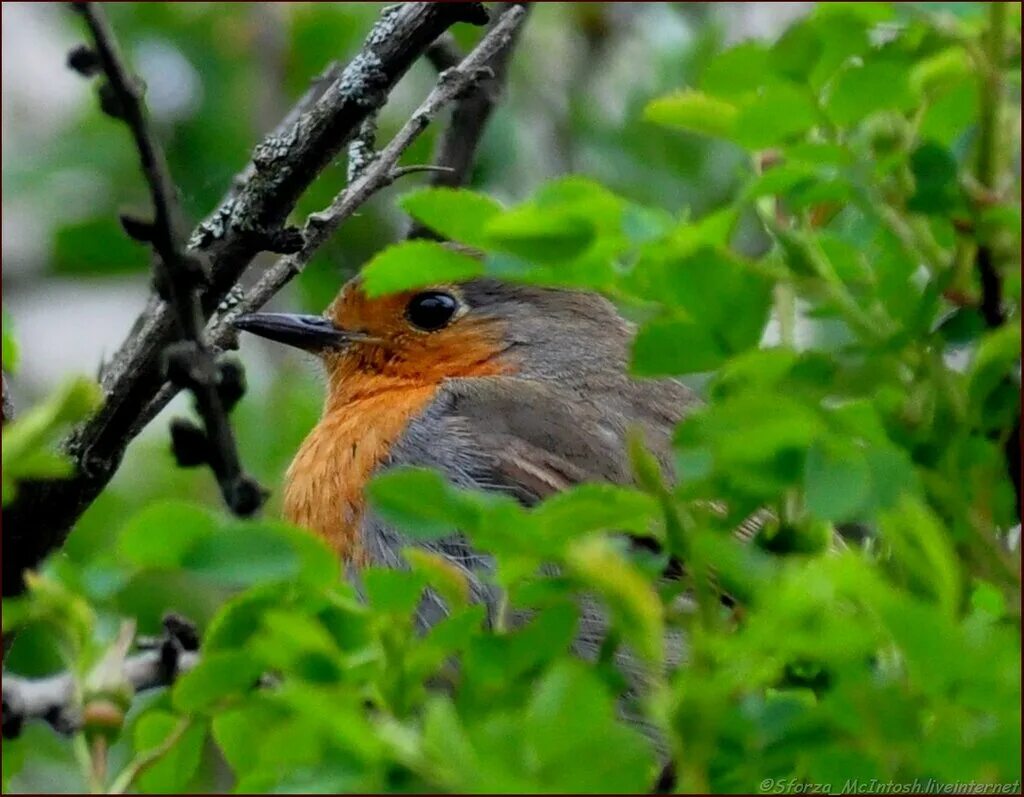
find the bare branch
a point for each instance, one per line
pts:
(54, 699)
(249, 220)
(444, 53)
(457, 147)
(179, 275)
(380, 173)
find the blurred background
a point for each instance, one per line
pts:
(221, 75)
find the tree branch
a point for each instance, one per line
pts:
(989, 155)
(189, 362)
(248, 221)
(54, 698)
(457, 147)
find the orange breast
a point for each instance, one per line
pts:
(374, 392)
(324, 490)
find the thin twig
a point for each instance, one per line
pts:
(380, 173)
(131, 772)
(249, 220)
(444, 53)
(989, 155)
(190, 361)
(54, 699)
(457, 146)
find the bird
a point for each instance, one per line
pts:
(505, 387)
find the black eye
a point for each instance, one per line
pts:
(431, 310)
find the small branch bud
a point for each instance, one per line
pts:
(84, 61)
(189, 444)
(136, 228)
(231, 384)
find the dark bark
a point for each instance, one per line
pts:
(457, 147)
(247, 222)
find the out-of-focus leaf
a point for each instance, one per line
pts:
(862, 90)
(25, 440)
(694, 112)
(836, 482)
(10, 345)
(162, 534)
(628, 594)
(173, 770)
(935, 179)
(217, 676)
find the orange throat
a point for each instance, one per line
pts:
(324, 485)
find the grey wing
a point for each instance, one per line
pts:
(527, 439)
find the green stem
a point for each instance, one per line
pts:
(991, 97)
(84, 758)
(143, 762)
(785, 309)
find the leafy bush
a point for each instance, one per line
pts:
(863, 378)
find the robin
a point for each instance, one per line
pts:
(501, 387)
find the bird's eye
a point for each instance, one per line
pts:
(431, 310)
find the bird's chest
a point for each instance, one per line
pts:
(324, 488)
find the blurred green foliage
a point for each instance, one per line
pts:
(825, 276)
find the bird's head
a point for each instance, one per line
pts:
(476, 328)
(420, 335)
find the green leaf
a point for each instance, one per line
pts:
(836, 481)
(217, 676)
(936, 188)
(575, 740)
(629, 595)
(455, 213)
(859, 91)
(174, 769)
(10, 345)
(695, 112)
(675, 346)
(240, 732)
(26, 439)
(393, 591)
(249, 553)
(546, 235)
(778, 112)
(737, 71)
(97, 247)
(997, 356)
(596, 507)
(417, 264)
(706, 331)
(923, 553)
(162, 534)
(418, 500)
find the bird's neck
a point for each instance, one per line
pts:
(361, 421)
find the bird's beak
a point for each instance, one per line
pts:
(310, 332)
